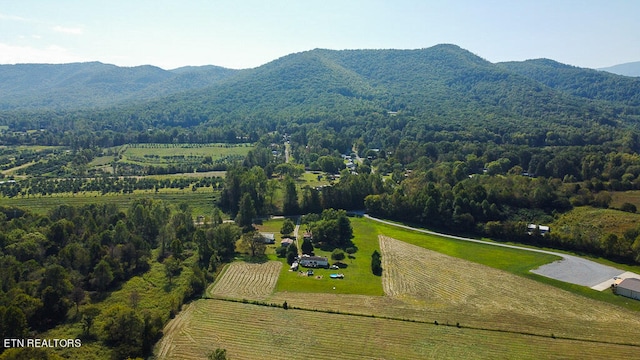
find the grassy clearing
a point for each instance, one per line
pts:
(310, 178)
(515, 261)
(511, 260)
(593, 222)
(621, 197)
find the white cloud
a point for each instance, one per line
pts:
(67, 30)
(52, 54)
(13, 18)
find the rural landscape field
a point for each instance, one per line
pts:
(431, 301)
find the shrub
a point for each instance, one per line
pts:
(281, 251)
(628, 207)
(376, 263)
(337, 254)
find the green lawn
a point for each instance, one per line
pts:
(358, 277)
(310, 178)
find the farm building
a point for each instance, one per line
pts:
(286, 242)
(314, 261)
(541, 228)
(629, 287)
(268, 238)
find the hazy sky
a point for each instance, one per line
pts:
(248, 33)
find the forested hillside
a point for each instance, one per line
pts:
(443, 88)
(81, 85)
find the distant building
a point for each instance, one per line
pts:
(314, 261)
(531, 228)
(629, 287)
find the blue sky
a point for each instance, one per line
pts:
(242, 34)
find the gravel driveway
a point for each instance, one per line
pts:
(571, 269)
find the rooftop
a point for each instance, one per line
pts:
(631, 284)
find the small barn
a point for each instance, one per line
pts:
(268, 238)
(629, 287)
(543, 230)
(286, 242)
(314, 261)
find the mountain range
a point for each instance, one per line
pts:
(443, 85)
(626, 69)
(94, 84)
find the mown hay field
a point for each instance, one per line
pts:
(242, 280)
(501, 315)
(256, 332)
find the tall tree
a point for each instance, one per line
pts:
(246, 212)
(254, 243)
(290, 202)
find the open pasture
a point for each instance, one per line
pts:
(256, 332)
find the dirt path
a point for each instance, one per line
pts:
(571, 269)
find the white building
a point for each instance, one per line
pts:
(629, 287)
(314, 261)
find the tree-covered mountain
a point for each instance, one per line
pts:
(626, 69)
(581, 82)
(442, 92)
(93, 84)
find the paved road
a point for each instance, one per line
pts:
(571, 269)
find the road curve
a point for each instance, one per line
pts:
(571, 269)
